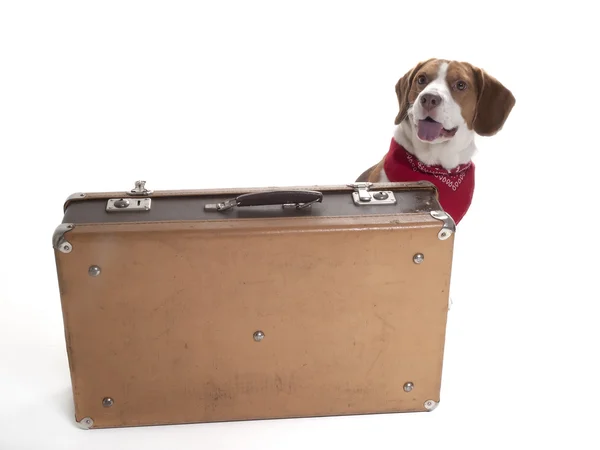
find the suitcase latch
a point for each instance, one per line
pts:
(128, 204)
(363, 196)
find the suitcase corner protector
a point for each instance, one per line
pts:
(448, 224)
(86, 423)
(58, 238)
(430, 405)
(75, 196)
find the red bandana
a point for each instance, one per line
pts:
(455, 186)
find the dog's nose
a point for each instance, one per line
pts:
(430, 101)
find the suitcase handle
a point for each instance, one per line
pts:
(297, 198)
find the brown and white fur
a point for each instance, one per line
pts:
(463, 98)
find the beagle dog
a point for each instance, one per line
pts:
(443, 104)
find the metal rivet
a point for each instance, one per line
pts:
(408, 386)
(380, 195)
(258, 336)
(94, 271)
(418, 258)
(107, 402)
(65, 247)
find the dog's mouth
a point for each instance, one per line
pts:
(429, 130)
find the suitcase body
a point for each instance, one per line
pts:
(222, 305)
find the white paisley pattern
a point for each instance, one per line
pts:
(451, 178)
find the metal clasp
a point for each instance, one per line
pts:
(124, 204)
(222, 206)
(362, 195)
(362, 189)
(140, 189)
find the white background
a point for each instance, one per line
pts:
(95, 95)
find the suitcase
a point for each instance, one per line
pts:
(242, 304)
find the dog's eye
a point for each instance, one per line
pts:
(461, 85)
(422, 79)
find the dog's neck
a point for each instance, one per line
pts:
(450, 154)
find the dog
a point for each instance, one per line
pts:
(443, 104)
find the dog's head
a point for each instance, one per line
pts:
(451, 101)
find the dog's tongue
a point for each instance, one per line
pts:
(429, 131)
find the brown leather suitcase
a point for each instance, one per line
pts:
(222, 305)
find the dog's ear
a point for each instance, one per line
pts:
(494, 104)
(403, 90)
